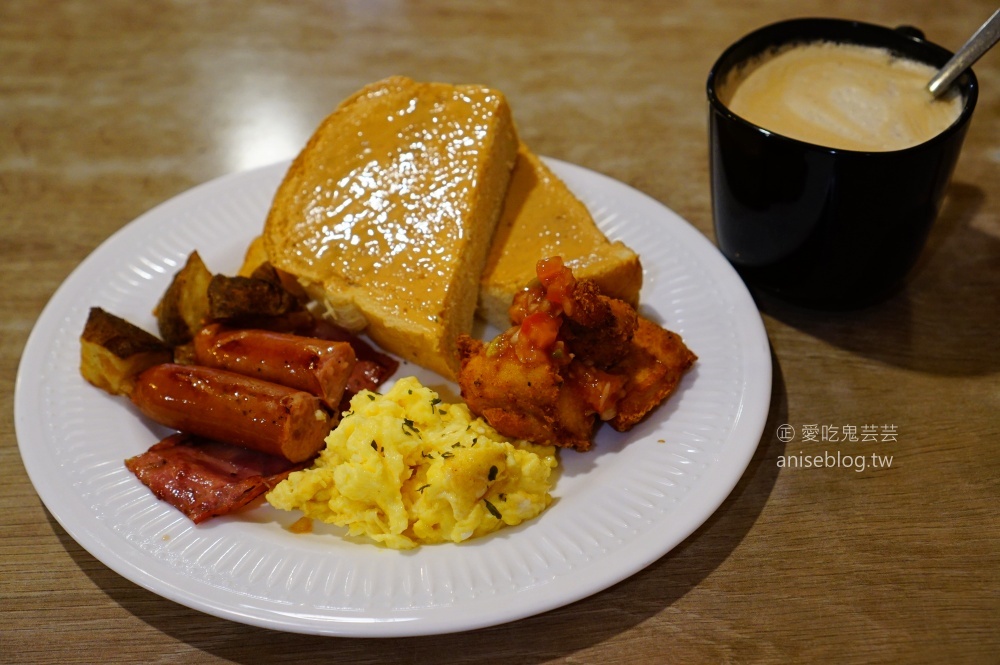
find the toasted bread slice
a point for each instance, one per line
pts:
(387, 214)
(542, 218)
(255, 256)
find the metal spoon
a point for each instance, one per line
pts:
(978, 44)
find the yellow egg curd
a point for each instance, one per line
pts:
(405, 469)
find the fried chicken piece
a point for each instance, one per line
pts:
(524, 399)
(656, 361)
(597, 328)
(572, 356)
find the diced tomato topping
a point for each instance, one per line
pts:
(548, 269)
(557, 279)
(540, 330)
(560, 291)
(599, 390)
(531, 299)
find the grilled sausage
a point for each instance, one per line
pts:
(316, 366)
(232, 408)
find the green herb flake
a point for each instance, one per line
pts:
(374, 445)
(408, 424)
(427, 455)
(493, 473)
(422, 488)
(493, 510)
(447, 455)
(371, 397)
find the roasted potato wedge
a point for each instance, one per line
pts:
(184, 306)
(268, 272)
(240, 298)
(257, 264)
(184, 354)
(113, 352)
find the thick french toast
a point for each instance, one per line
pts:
(542, 218)
(387, 214)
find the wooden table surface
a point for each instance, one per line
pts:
(107, 109)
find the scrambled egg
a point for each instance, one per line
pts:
(405, 469)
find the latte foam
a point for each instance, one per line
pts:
(842, 96)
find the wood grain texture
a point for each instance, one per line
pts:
(108, 111)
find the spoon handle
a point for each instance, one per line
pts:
(978, 44)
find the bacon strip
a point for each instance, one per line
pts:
(203, 478)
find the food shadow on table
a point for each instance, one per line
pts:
(605, 615)
(946, 308)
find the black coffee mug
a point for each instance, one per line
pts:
(823, 227)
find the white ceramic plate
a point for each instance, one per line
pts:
(618, 507)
